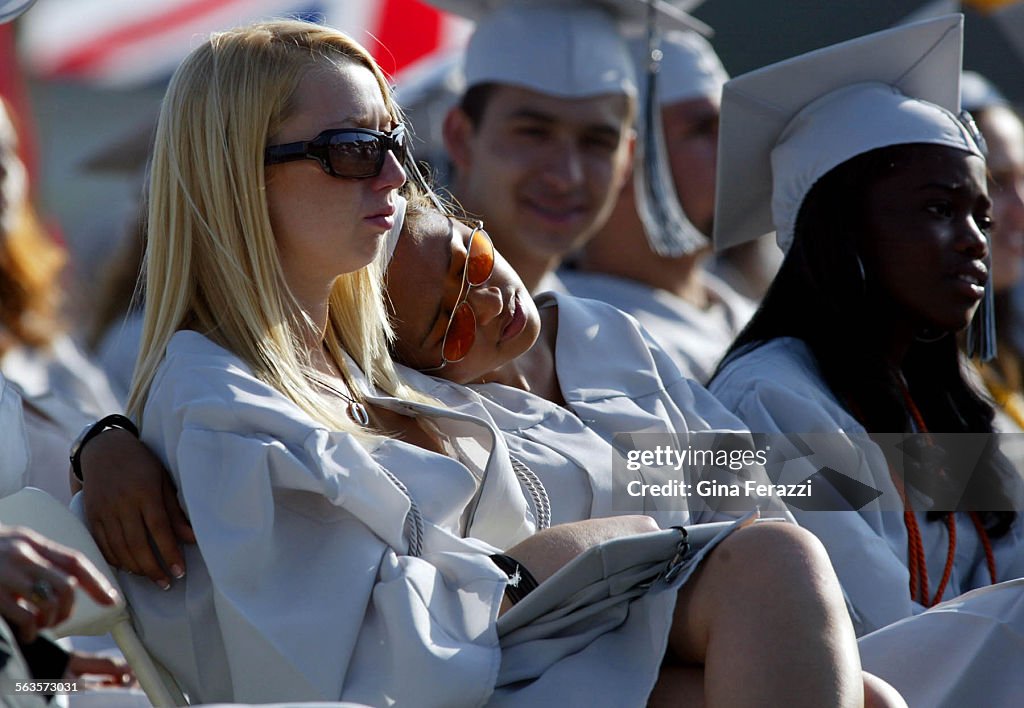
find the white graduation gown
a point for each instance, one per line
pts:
(572, 462)
(627, 393)
(327, 569)
(963, 652)
(62, 392)
(695, 339)
(62, 370)
(13, 443)
(777, 388)
(312, 578)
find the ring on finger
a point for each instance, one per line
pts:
(41, 592)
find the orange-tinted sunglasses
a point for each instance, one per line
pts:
(460, 333)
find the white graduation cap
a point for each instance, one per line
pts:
(978, 93)
(689, 67)
(568, 48)
(786, 125)
(9, 9)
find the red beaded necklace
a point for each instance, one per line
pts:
(915, 547)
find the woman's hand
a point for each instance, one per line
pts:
(109, 671)
(548, 550)
(38, 579)
(129, 499)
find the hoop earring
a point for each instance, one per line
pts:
(863, 275)
(926, 338)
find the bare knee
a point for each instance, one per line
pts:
(768, 550)
(880, 694)
(772, 573)
(781, 571)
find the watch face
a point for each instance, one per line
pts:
(9, 9)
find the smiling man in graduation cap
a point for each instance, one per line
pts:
(542, 139)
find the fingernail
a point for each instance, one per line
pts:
(113, 594)
(177, 571)
(163, 584)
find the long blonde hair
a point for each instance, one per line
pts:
(211, 259)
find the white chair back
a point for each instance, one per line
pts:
(35, 509)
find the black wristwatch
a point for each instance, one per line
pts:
(520, 581)
(111, 421)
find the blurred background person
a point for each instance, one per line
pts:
(62, 390)
(1003, 131)
(691, 313)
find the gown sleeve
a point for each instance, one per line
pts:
(808, 432)
(311, 578)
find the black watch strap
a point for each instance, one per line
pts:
(111, 421)
(520, 581)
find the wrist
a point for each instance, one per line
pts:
(520, 581)
(110, 422)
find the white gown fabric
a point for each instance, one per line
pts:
(777, 388)
(13, 441)
(118, 350)
(61, 370)
(977, 641)
(624, 393)
(695, 339)
(62, 393)
(335, 570)
(572, 462)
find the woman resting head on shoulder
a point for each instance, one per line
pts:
(462, 313)
(459, 309)
(876, 188)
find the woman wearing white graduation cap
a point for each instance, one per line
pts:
(856, 155)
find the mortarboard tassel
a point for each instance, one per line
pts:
(981, 333)
(668, 230)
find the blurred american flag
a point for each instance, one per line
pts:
(127, 43)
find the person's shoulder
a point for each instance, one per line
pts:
(782, 353)
(202, 385)
(191, 357)
(199, 374)
(783, 363)
(587, 327)
(779, 382)
(585, 310)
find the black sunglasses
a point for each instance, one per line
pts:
(352, 153)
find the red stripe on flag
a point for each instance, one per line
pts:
(97, 50)
(408, 30)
